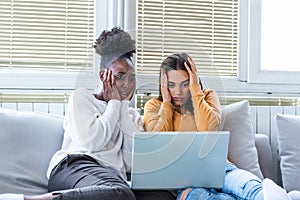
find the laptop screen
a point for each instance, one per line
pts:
(169, 160)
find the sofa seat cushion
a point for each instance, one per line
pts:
(28, 141)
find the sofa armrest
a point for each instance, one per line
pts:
(265, 158)
(27, 142)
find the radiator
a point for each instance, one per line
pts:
(53, 103)
(263, 118)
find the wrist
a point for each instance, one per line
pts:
(167, 100)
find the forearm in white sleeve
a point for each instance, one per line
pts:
(93, 127)
(130, 120)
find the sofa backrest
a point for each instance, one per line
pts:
(28, 140)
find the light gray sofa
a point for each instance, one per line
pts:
(29, 139)
(27, 142)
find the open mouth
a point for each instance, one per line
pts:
(123, 94)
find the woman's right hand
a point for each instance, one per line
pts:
(109, 90)
(164, 86)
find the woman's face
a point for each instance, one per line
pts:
(178, 84)
(124, 74)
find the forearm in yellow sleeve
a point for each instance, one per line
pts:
(158, 116)
(207, 108)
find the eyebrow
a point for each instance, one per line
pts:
(187, 80)
(122, 73)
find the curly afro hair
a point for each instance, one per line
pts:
(114, 44)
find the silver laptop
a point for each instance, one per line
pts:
(173, 160)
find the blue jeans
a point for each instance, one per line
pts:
(238, 184)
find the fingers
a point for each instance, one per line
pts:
(164, 87)
(162, 75)
(192, 70)
(187, 68)
(109, 76)
(101, 74)
(106, 78)
(113, 79)
(163, 78)
(192, 64)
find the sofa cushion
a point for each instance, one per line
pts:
(288, 127)
(28, 141)
(236, 118)
(265, 157)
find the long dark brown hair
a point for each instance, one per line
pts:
(175, 62)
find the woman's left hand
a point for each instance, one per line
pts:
(193, 75)
(130, 95)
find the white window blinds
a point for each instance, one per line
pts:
(47, 36)
(205, 29)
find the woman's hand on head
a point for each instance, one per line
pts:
(164, 86)
(130, 95)
(193, 75)
(109, 90)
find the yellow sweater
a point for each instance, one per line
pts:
(160, 116)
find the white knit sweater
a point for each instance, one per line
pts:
(99, 129)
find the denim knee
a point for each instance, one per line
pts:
(206, 194)
(196, 193)
(242, 184)
(253, 190)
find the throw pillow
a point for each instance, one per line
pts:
(236, 118)
(273, 191)
(288, 127)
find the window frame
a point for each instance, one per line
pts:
(31, 80)
(241, 83)
(107, 15)
(251, 12)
